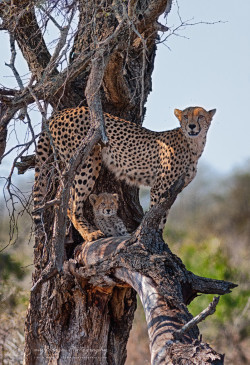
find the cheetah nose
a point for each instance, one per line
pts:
(108, 211)
(192, 126)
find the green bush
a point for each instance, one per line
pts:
(206, 258)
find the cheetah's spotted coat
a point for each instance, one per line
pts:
(135, 154)
(105, 208)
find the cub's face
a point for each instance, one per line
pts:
(194, 121)
(104, 204)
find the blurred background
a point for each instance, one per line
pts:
(203, 60)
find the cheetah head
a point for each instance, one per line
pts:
(104, 204)
(194, 121)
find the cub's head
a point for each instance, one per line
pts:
(194, 120)
(104, 204)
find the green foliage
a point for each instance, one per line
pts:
(209, 229)
(11, 294)
(207, 259)
(8, 267)
(15, 260)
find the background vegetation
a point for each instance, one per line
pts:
(208, 227)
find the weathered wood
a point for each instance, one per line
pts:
(27, 162)
(68, 322)
(162, 281)
(159, 277)
(83, 313)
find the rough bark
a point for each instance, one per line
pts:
(67, 322)
(82, 313)
(161, 280)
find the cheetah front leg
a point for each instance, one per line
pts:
(155, 198)
(82, 186)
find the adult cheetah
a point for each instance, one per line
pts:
(134, 154)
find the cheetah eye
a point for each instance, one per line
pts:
(186, 116)
(103, 204)
(201, 117)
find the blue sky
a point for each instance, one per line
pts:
(206, 65)
(210, 69)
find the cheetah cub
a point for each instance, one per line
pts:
(105, 208)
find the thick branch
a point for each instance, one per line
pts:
(160, 280)
(27, 162)
(20, 20)
(44, 90)
(163, 320)
(153, 217)
(92, 93)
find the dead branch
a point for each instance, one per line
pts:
(145, 262)
(20, 20)
(99, 63)
(197, 319)
(153, 217)
(7, 92)
(156, 278)
(59, 227)
(27, 162)
(142, 261)
(27, 146)
(12, 62)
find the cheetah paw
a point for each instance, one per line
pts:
(93, 236)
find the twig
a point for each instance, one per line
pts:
(144, 54)
(12, 62)
(62, 40)
(197, 319)
(26, 145)
(183, 24)
(39, 6)
(31, 128)
(46, 205)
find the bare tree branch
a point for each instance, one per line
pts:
(197, 319)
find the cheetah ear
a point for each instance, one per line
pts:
(212, 112)
(178, 113)
(92, 198)
(116, 196)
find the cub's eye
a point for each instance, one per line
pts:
(201, 117)
(186, 116)
(112, 203)
(103, 204)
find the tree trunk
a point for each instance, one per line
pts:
(82, 307)
(68, 322)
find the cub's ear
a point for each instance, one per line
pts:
(212, 112)
(178, 113)
(116, 196)
(92, 198)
